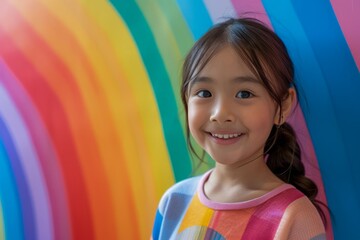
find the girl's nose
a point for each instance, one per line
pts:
(222, 112)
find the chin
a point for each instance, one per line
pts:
(225, 161)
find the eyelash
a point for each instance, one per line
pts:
(201, 94)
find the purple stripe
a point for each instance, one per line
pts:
(268, 216)
(16, 170)
(251, 8)
(219, 12)
(46, 154)
(28, 160)
(12, 198)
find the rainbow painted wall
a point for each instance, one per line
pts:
(91, 125)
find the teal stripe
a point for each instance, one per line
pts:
(160, 81)
(13, 224)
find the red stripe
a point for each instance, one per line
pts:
(103, 216)
(266, 219)
(54, 117)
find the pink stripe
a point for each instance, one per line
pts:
(348, 15)
(268, 216)
(220, 12)
(251, 8)
(39, 160)
(309, 159)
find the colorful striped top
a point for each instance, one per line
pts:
(284, 213)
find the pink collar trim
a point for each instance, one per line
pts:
(236, 205)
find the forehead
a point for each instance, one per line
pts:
(226, 63)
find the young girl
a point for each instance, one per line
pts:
(238, 91)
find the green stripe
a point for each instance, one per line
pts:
(160, 81)
(178, 26)
(172, 38)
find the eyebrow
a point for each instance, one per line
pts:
(247, 79)
(240, 79)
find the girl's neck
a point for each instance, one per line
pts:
(242, 183)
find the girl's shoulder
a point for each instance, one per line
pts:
(185, 186)
(180, 192)
(301, 220)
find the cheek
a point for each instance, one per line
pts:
(192, 119)
(196, 119)
(266, 122)
(261, 119)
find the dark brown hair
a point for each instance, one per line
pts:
(267, 57)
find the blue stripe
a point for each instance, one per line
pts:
(328, 76)
(341, 74)
(22, 186)
(343, 82)
(196, 16)
(9, 197)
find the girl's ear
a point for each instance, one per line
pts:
(287, 106)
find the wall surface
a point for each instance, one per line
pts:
(91, 123)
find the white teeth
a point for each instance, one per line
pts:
(225, 136)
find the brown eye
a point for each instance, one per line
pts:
(244, 94)
(204, 94)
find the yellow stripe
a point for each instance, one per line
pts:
(2, 231)
(150, 169)
(197, 214)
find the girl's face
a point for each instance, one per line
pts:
(230, 113)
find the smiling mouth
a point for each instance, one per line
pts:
(226, 136)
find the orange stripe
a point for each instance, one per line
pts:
(147, 159)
